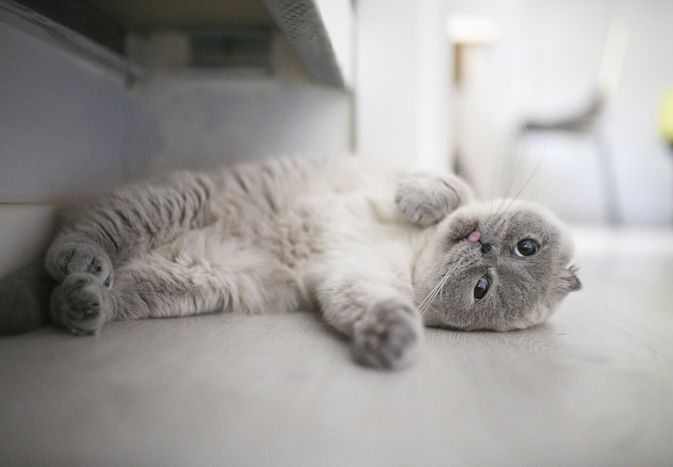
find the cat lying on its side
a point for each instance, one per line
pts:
(381, 252)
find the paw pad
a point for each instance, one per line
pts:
(387, 336)
(78, 304)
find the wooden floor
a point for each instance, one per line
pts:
(592, 387)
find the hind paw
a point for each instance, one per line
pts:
(79, 304)
(67, 258)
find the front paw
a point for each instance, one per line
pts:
(65, 258)
(80, 304)
(426, 199)
(387, 336)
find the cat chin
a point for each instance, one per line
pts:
(503, 328)
(436, 319)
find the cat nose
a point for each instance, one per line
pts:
(486, 247)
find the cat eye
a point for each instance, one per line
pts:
(481, 288)
(526, 247)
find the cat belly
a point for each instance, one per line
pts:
(250, 277)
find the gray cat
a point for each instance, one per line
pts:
(379, 251)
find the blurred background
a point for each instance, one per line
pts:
(589, 79)
(564, 102)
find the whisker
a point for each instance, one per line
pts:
(528, 180)
(425, 305)
(430, 297)
(493, 179)
(425, 300)
(437, 290)
(538, 164)
(517, 161)
(441, 288)
(514, 174)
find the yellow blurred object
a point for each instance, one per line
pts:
(666, 117)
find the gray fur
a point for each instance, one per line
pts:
(524, 290)
(24, 299)
(366, 243)
(387, 335)
(81, 304)
(425, 200)
(128, 222)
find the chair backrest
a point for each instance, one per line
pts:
(612, 62)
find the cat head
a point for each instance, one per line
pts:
(492, 271)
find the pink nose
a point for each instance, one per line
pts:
(474, 237)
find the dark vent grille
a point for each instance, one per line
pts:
(303, 27)
(231, 48)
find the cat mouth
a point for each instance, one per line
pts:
(468, 236)
(469, 233)
(463, 229)
(473, 237)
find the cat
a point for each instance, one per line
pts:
(380, 251)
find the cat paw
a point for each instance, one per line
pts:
(67, 258)
(426, 199)
(78, 304)
(387, 336)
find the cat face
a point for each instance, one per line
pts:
(497, 272)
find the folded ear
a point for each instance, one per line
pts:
(569, 280)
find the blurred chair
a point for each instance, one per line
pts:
(586, 122)
(666, 118)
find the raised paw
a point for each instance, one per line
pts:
(387, 335)
(65, 258)
(79, 304)
(426, 199)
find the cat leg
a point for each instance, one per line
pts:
(425, 199)
(126, 223)
(177, 283)
(83, 305)
(376, 312)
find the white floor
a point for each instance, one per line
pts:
(593, 387)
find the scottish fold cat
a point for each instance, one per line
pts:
(381, 252)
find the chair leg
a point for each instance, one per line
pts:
(609, 180)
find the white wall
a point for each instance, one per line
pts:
(402, 82)
(69, 127)
(62, 121)
(545, 61)
(62, 127)
(198, 120)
